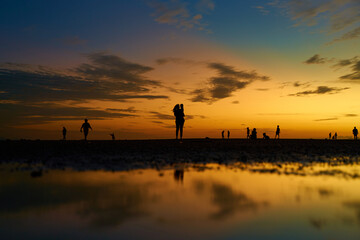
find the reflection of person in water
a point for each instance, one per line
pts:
(355, 132)
(179, 175)
(85, 127)
(179, 119)
(64, 133)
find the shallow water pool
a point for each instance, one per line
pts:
(258, 201)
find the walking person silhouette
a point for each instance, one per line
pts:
(85, 127)
(179, 119)
(277, 132)
(355, 132)
(64, 133)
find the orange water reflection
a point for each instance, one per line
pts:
(203, 202)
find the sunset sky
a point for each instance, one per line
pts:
(125, 64)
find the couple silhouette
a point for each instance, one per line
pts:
(179, 119)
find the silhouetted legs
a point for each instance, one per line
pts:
(86, 132)
(179, 127)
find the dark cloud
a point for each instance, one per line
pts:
(345, 62)
(299, 84)
(182, 14)
(316, 59)
(235, 102)
(262, 89)
(355, 75)
(106, 77)
(162, 61)
(326, 119)
(334, 15)
(350, 115)
(222, 86)
(319, 91)
(26, 114)
(129, 109)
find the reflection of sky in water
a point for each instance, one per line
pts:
(214, 202)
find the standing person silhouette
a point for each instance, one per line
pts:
(179, 119)
(85, 127)
(223, 134)
(355, 132)
(64, 133)
(329, 135)
(228, 134)
(277, 132)
(247, 132)
(335, 136)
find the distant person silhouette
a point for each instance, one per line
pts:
(277, 132)
(265, 136)
(179, 175)
(223, 134)
(85, 127)
(335, 135)
(247, 132)
(253, 134)
(64, 133)
(228, 134)
(330, 135)
(179, 119)
(355, 132)
(112, 136)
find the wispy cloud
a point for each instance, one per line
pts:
(326, 119)
(335, 15)
(316, 59)
(319, 91)
(182, 14)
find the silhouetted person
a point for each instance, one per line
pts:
(85, 127)
(64, 133)
(329, 135)
(228, 134)
(253, 134)
(223, 134)
(179, 119)
(112, 136)
(179, 175)
(355, 132)
(335, 135)
(247, 132)
(277, 132)
(265, 136)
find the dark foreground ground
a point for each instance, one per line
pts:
(136, 154)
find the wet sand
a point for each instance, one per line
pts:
(141, 154)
